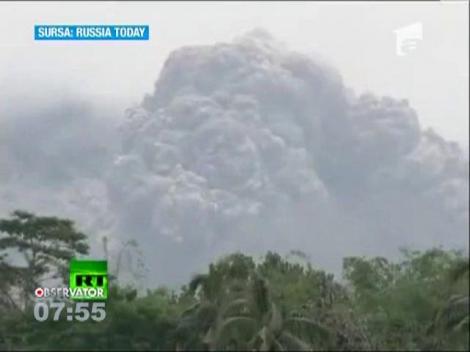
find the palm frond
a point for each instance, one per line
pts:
(308, 326)
(460, 270)
(293, 343)
(275, 323)
(236, 307)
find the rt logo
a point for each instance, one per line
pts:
(87, 278)
(407, 38)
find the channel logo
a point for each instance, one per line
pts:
(88, 293)
(88, 282)
(407, 38)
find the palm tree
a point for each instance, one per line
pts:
(254, 322)
(224, 282)
(234, 311)
(454, 316)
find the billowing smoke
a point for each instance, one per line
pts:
(249, 146)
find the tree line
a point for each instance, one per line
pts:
(272, 303)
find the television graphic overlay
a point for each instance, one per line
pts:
(84, 299)
(89, 280)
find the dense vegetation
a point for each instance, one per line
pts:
(241, 303)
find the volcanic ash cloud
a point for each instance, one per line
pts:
(249, 146)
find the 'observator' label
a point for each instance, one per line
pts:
(91, 32)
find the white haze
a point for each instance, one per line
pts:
(242, 146)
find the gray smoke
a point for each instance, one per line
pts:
(54, 154)
(249, 146)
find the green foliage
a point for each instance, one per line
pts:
(398, 302)
(275, 303)
(32, 247)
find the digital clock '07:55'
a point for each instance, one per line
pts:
(80, 311)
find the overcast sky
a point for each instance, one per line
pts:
(355, 38)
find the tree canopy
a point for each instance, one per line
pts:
(269, 303)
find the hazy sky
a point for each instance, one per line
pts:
(356, 38)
